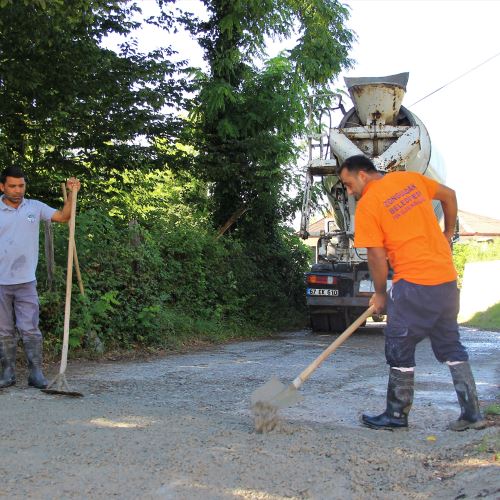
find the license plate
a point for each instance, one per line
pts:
(327, 292)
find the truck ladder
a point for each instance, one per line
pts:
(315, 168)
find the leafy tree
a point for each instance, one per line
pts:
(70, 106)
(249, 117)
(151, 261)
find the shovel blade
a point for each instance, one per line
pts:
(267, 392)
(276, 394)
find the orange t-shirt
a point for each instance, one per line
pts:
(396, 212)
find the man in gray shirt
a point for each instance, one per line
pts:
(19, 233)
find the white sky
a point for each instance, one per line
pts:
(435, 41)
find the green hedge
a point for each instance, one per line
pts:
(166, 279)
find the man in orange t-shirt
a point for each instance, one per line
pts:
(395, 222)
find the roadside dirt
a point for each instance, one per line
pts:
(180, 427)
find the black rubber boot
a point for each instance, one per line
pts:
(33, 350)
(399, 401)
(8, 347)
(470, 415)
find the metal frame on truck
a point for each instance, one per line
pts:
(339, 285)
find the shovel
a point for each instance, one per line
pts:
(59, 385)
(275, 395)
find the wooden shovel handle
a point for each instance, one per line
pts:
(332, 347)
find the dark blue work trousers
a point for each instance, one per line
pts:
(418, 311)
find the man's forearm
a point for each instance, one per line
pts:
(450, 211)
(64, 214)
(66, 210)
(448, 199)
(379, 269)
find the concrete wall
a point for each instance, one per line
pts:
(480, 288)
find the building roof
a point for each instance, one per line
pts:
(318, 226)
(321, 224)
(477, 225)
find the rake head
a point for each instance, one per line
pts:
(60, 386)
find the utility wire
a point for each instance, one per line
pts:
(457, 78)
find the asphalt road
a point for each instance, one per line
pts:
(180, 427)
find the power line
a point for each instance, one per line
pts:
(457, 78)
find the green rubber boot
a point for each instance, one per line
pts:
(470, 415)
(399, 401)
(8, 347)
(33, 350)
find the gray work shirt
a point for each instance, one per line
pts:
(19, 235)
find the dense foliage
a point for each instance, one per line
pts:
(71, 107)
(166, 277)
(167, 157)
(248, 116)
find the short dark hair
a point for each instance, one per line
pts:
(11, 172)
(356, 163)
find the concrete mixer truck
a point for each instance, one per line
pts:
(339, 285)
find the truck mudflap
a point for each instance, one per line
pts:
(338, 301)
(334, 314)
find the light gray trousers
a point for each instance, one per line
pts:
(19, 308)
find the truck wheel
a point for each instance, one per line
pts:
(319, 323)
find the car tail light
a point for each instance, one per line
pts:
(316, 279)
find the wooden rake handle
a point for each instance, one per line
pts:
(332, 347)
(75, 253)
(69, 281)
